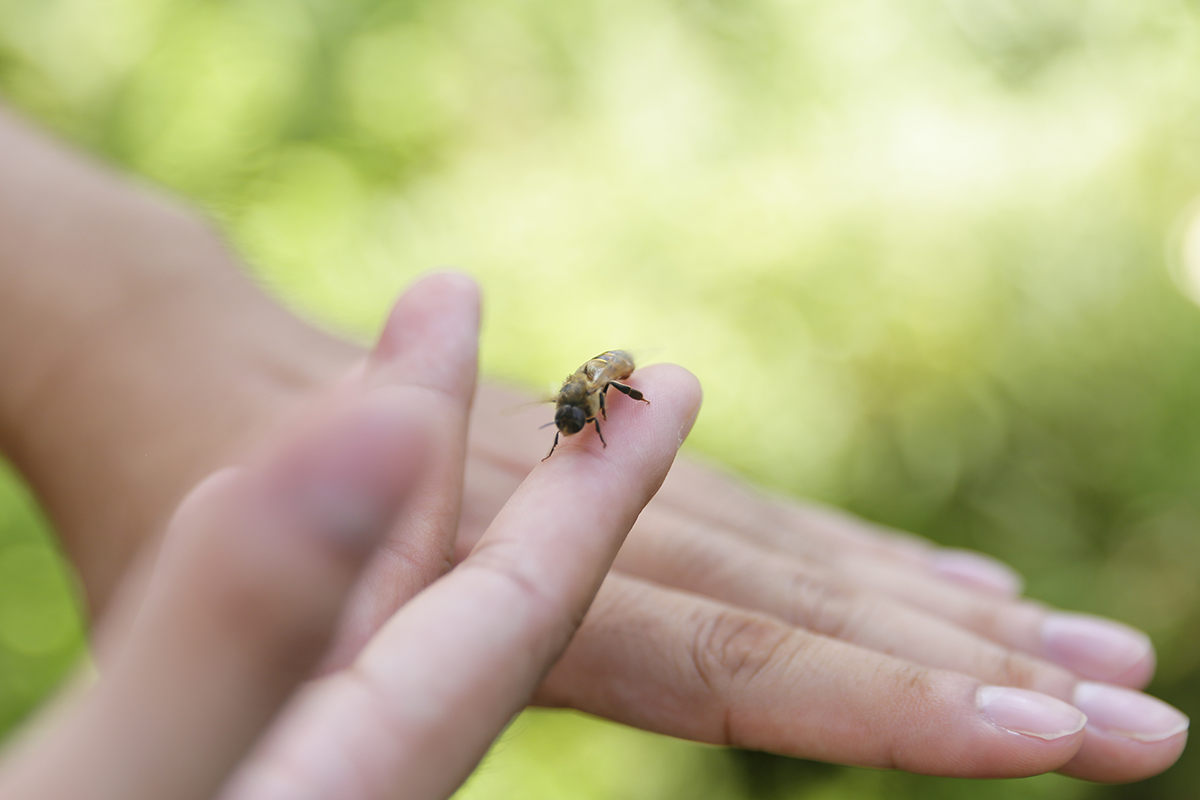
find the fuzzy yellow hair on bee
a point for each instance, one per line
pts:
(581, 398)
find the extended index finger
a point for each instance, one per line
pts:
(425, 699)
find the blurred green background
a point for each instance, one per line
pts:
(927, 256)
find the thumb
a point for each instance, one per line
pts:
(257, 565)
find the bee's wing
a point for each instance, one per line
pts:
(644, 356)
(513, 410)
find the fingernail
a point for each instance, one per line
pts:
(1092, 647)
(1124, 712)
(345, 481)
(977, 570)
(1028, 713)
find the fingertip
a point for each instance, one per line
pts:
(682, 388)
(938, 722)
(1128, 713)
(443, 285)
(1130, 735)
(977, 571)
(1029, 713)
(456, 286)
(678, 380)
(1140, 674)
(1097, 648)
(1105, 758)
(431, 336)
(207, 494)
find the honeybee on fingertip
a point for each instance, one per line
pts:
(582, 397)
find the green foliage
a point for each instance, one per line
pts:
(925, 256)
(40, 635)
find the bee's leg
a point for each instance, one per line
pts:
(598, 433)
(552, 446)
(629, 390)
(603, 394)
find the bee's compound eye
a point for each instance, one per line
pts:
(570, 419)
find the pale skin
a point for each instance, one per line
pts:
(139, 363)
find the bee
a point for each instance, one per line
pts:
(581, 398)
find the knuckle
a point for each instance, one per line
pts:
(732, 648)
(541, 610)
(984, 617)
(1013, 668)
(916, 683)
(916, 691)
(827, 607)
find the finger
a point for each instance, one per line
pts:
(682, 552)
(670, 543)
(675, 551)
(427, 696)
(487, 485)
(428, 350)
(257, 564)
(691, 667)
(828, 534)
(1149, 735)
(1130, 735)
(714, 494)
(691, 554)
(1091, 647)
(703, 490)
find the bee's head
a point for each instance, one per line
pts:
(570, 419)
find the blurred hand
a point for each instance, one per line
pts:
(731, 617)
(736, 618)
(257, 562)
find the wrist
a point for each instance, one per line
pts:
(137, 357)
(171, 381)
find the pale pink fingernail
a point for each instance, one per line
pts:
(1028, 713)
(1124, 712)
(977, 570)
(1097, 648)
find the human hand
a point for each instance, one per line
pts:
(257, 562)
(197, 363)
(715, 579)
(736, 618)
(717, 575)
